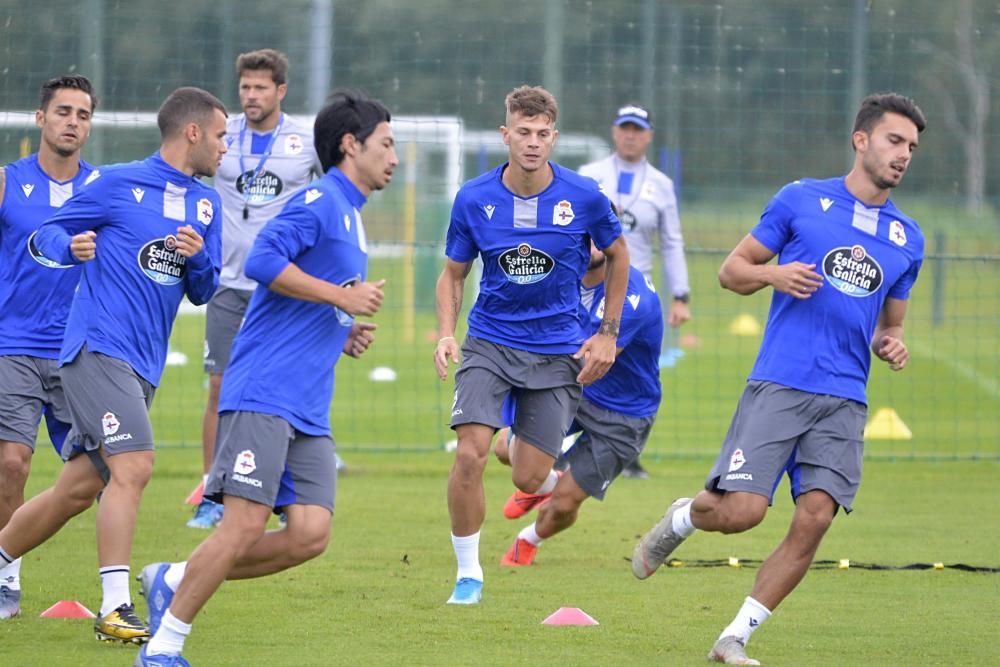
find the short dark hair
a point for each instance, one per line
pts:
(261, 59)
(185, 105)
(345, 112)
(73, 81)
(531, 101)
(875, 106)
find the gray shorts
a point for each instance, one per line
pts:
(262, 458)
(543, 386)
(27, 385)
(109, 404)
(817, 439)
(609, 442)
(223, 318)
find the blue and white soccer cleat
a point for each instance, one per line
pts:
(158, 660)
(207, 515)
(467, 591)
(158, 595)
(10, 602)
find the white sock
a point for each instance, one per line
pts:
(749, 618)
(528, 534)
(114, 580)
(169, 639)
(10, 575)
(174, 574)
(467, 555)
(682, 521)
(549, 484)
(5, 558)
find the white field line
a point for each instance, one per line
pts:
(987, 384)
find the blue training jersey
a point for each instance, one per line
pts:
(632, 386)
(865, 254)
(129, 293)
(35, 292)
(284, 354)
(534, 252)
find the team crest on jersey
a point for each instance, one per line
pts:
(246, 463)
(110, 423)
(525, 265)
(161, 262)
(264, 188)
(293, 144)
(853, 271)
(896, 233)
(205, 211)
(562, 213)
(37, 255)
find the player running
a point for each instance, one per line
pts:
(148, 235)
(531, 221)
(848, 259)
(35, 294)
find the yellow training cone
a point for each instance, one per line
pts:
(745, 325)
(886, 425)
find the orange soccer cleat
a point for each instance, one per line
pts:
(522, 552)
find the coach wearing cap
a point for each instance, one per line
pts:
(645, 198)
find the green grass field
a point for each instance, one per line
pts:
(376, 597)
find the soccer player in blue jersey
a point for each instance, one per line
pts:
(614, 418)
(148, 234)
(532, 222)
(847, 259)
(274, 450)
(271, 157)
(35, 294)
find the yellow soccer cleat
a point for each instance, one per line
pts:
(121, 625)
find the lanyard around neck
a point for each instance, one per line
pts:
(247, 184)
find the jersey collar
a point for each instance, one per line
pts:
(349, 189)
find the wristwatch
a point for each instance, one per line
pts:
(683, 298)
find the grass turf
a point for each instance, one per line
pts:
(377, 595)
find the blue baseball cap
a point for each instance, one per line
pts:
(635, 114)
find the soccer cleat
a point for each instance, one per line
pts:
(522, 552)
(658, 543)
(207, 515)
(158, 660)
(520, 503)
(634, 470)
(467, 591)
(730, 651)
(121, 625)
(153, 587)
(10, 602)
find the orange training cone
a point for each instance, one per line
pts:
(67, 609)
(195, 497)
(570, 616)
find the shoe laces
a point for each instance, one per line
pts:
(126, 614)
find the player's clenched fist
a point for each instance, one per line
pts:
(362, 298)
(83, 246)
(189, 242)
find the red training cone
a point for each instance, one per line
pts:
(195, 497)
(570, 616)
(67, 609)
